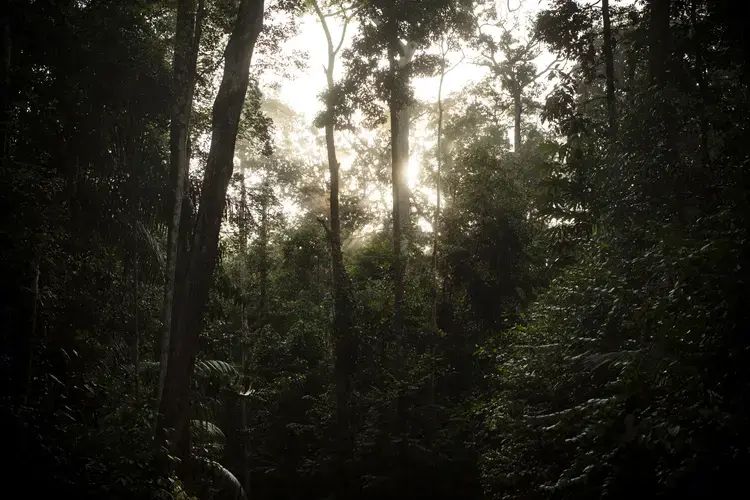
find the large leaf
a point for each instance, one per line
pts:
(207, 431)
(216, 369)
(223, 477)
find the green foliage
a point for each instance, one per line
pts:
(581, 334)
(622, 378)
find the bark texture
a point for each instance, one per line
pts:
(187, 39)
(194, 286)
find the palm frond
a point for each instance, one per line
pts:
(223, 477)
(214, 368)
(207, 431)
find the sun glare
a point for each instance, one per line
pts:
(412, 171)
(301, 92)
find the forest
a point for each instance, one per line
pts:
(375, 249)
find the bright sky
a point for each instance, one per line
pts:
(301, 92)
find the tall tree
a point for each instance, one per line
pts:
(399, 57)
(6, 50)
(187, 40)
(193, 287)
(659, 40)
(609, 69)
(343, 334)
(516, 71)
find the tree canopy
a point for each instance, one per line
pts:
(499, 252)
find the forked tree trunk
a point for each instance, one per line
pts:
(343, 336)
(194, 287)
(187, 40)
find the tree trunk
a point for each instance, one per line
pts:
(404, 124)
(404, 193)
(397, 174)
(6, 45)
(400, 57)
(264, 202)
(436, 229)
(399, 159)
(35, 275)
(186, 326)
(609, 70)
(517, 112)
(136, 331)
(659, 41)
(665, 135)
(187, 40)
(343, 338)
(702, 87)
(244, 462)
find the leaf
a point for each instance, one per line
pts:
(223, 477)
(214, 368)
(205, 429)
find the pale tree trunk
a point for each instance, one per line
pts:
(404, 126)
(194, 287)
(436, 224)
(517, 113)
(400, 56)
(244, 328)
(343, 337)
(609, 70)
(264, 203)
(397, 181)
(187, 40)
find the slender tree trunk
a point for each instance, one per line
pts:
(187, 40)
(659, 41)
(609, 70)
(136, 331)
(186, 326)
(343, 338)
(404, 125)
(436, 229)
(264, 202)
(244, 330)
(6, 46)
(702, 87)
(35, 275)
(517, 113)
(665, 134)
(397, 173)
(400, 224)
(400, 56)
(436, 220)
(404, 192)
